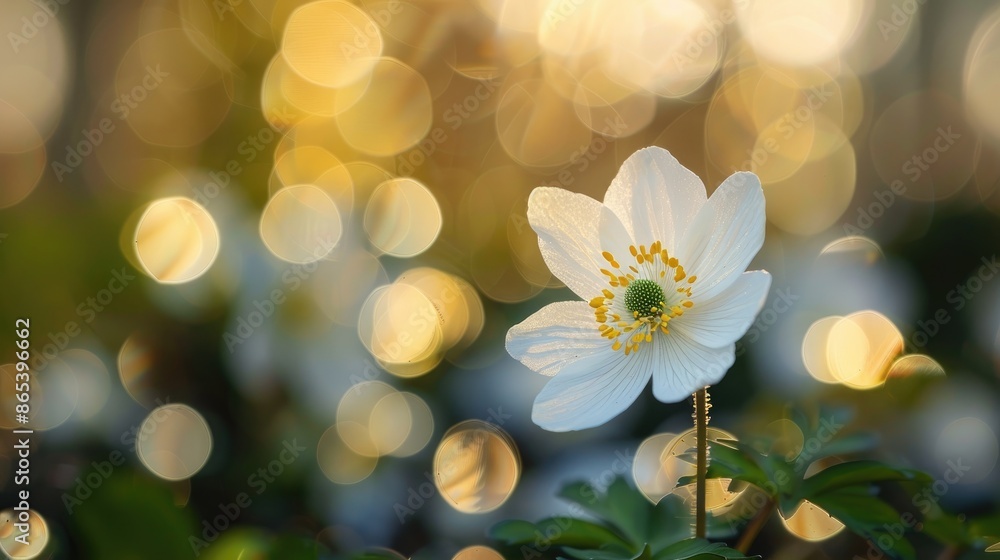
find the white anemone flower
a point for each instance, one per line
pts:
(662, 272)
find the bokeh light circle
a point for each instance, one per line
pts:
(300, 224)
(176, 240)
(174, 442)
(476, 467)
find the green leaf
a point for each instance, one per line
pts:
(621, 507)
(644, 554)
(670, 522)
(847, 445)
(735, 463)
(584, 495)
(599, 554)
(856, 473)
(868, 516)
(699, 549)
(557, 531)
(946, 528)
(630, 511)
(130, 515)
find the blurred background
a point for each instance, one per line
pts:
(270, 249)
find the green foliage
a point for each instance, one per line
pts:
(130, 515)
(851, 492)
(626, 527)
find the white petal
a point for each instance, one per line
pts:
(588, 393)
(725, 235)
(725, 318)
(572, 229)
(682, 366)
(655, 197)
(556, 335)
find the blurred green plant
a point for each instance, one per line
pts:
(851, 492)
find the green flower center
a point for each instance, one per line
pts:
(644, 298)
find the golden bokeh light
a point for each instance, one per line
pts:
(174, 442)
(373, 419)
(647, 469)
(915, 365)
(814, 349)
(403, 218)
(537, 127)
(800, 33)
(176, 240)
(785, 437)
(853, 248)
(37, 534)
(137, 372)
(677, 462)
(339, 463)
(300, 224)
(21, 171)
(401, 328)
(811, 523)
(394, 114)
(856, 351)
(331, 43)
(446, 296)
(421, 423)
(476, 467)
(670, 48)
(55, 395)
(477, 553)
(981, 81)
(167, 92)
(816, 194)
(36, 65)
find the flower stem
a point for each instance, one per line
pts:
(701, 427)
(756, 524)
